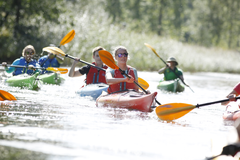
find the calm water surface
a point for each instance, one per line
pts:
(55, 123)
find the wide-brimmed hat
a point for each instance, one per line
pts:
(172, 59)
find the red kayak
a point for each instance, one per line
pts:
(128, 99)
(232, 112)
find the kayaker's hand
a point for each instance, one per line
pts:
(232, 97)
(231, 149)
(76, 60)
(4, 64)
(129, 80)
(31, 67)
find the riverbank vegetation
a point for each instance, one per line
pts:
(202, 35)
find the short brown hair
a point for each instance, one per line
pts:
(96, 49)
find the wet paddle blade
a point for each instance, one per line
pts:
(68, 37)
(107, 58)
(54, 50)
(151, 49)
(6, 96)
(58, 70)
(173, 111)
(143, 83)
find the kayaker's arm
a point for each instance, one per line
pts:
(160, 71)
(110, 80)
(72, 72)
(233, 94)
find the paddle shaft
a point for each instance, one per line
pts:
(137, 84)
(66, 55)
(209, 103)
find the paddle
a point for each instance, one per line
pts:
(59, 70)
(6, 96)
(174, 111)
(154, 51)
(107, 58)
(67, 38)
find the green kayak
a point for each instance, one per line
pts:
(51, 78)
(24, 81)
(171, 86)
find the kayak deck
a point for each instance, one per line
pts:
(51, 78)
(171, 86)
(127, 99)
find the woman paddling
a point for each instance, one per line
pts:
(115, 79)
(26, 61)
(93, 75)
(171, 71)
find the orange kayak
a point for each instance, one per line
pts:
(127, 99)
(232, 112)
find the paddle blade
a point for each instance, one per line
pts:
(6, 96)
(54, 50)
(151, 49)
(143, 83)
(68, 37)
(107, 58)
(58, 70)
(173, 111)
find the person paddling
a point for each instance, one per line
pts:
(115, 79)
(50, 60)
(93, 75)
(169, 70)
(26, 61)
(233, 94)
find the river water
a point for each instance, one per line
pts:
(54, 123)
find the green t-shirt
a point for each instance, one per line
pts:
(169, 75)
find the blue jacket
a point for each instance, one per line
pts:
(46, 62)
(22, 62)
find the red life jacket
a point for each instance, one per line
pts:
(96, 76)
(123, 85)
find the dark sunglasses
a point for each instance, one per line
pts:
(31, 53)
(122, 54)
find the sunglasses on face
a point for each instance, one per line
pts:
(122, 54)
(29, 53)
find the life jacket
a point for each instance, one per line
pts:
(171, 75)
(96, 76)
(23, 62)
(46, 62)
(123, 85)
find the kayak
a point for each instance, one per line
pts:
(51, 78)
(93, 90)
(24, 81)
(171, 85)
(232, 112)
(127, 99)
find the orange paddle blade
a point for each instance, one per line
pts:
(107, 58)
(68, 37)
(173, 111)
(6, 96)
(143, 83)
(58, 70)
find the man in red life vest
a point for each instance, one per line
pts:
(93, 75)
(115, 79)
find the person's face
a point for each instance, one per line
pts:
(51, 55)
(97, 58)
(172, 63)
(121, 56)
(28, 54)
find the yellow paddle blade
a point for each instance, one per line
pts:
(68, 37)
(6, 96)
(143, 83)
(107, 58)
(151, 49)
(54, 50)
(173, 111)
(58, 70)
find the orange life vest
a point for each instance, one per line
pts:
(96, 76)
(123, 85)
